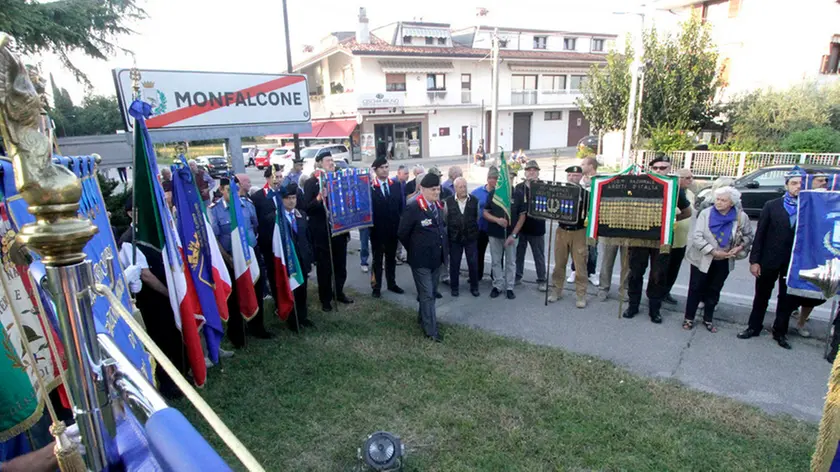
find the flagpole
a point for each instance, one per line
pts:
(329, 240)
(550, 233)
(135, 84)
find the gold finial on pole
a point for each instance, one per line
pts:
(135, 76)
(52, 191)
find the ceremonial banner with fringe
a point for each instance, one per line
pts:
(501, 196)
(246, 269)
(817, 239)
(348, 196)
(633, 209)
(287, 273)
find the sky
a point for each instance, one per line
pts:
(248, 35)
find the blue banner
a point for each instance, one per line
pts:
(349, 197)
(99, 250)
(194, 233)
(817, 238)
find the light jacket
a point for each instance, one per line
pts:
(701, 242)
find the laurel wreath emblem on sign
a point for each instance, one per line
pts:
(827, 244)
(162, 107)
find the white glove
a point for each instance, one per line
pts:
(132, 275)
(74, 435)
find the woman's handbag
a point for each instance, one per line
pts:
(738, 240)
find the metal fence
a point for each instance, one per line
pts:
(733, 163)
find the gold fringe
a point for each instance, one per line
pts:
(829, 433)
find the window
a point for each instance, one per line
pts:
(406, 39)
(773, 178)
(443, 132)
(540, 42)
(553, 115)
(430, 40)
(576, 81)
(523, 82)
(466, 81)
(435, 82)
(598, 45)
(503, 43)
(569, 44)
(442, 41)
(831, 61)
(395, 82)
(554, 83)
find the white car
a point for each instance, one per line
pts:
(341, 157)
(282, 156)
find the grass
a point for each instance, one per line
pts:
(477, 402)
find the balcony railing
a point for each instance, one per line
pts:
(523, 97)
(466, 96)
(436, 96)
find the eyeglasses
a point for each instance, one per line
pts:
(659, 167)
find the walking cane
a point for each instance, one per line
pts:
(625, 268)
(550, 233)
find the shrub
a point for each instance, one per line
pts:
(115, 204)
(585, 151)
(812, 140)
(666, 140)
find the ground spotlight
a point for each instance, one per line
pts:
(382, 451)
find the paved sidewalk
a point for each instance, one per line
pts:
(754, 371)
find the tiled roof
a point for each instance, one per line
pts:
(400, 66)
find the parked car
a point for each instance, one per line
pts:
(309, 165)
(262, 158)
(216, 166)
(590, 142)
(282, 156)
(339, 152)
(762, 185)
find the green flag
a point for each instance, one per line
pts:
(501, 196)
(19, 405)
(148, 227)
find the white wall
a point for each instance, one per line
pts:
(454, 120)
(549, 134)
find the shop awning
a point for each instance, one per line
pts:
(402, 67)
(326, 129)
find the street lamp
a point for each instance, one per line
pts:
(634, 85)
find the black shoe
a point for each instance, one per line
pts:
(326, 307)
(655, 317)
(377, 293)
(344, 299)
(749, 333)
(455, 292)
(510, 295)
(445, 282)
(307, 324)
(495, 293)
(630, 312)
(475, 292)
(438, 295)
(263, 334)
(669, 300)
(438, 338)
(396, 289)
(782, 341)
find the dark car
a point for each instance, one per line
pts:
(217, 166)
(762, 185)
(590, 141)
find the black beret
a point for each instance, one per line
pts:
(272, 168)
(379, 162)
(660, 158)
(320, 157)
(224, 182)
(574, 169)
(430, 180)
(289, 190)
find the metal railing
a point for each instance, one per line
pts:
(734, 163)
(436, 96)
(466, 96)
(523, 97)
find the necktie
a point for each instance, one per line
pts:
(292, 221)
(386, 189)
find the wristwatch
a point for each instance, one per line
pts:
(514, 236)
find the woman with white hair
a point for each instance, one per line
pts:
(722, 234)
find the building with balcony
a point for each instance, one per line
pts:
(765, 43)
(420, 89)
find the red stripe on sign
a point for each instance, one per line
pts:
(182, 114)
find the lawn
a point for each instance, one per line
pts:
(477, 402)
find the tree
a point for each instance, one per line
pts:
(679, 89)
(97, 115)
(66, 26)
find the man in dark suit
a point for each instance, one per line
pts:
(769, 260)
(421, 232)
(462, 229)
(387, 202)
(316, 205)
(298, 228)
(263, 200)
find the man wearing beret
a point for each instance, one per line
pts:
(570, 240)
(657, 286)
(421, 232)
(533, 231)
(329, 269)
(387, 202)
(297, 228)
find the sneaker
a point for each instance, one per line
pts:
(542, 286)
(510, 295)
(803, 331)
(571, 278)
(400, 262)
(794, 315)
(580, 303)
(365, 269)
(208, 363)
(602, 295)
(225, 354)
(594, 280)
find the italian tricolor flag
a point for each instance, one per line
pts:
(221, 277)
(245, 266)
(287, 273)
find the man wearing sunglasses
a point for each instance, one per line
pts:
(639, 256)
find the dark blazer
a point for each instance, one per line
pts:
(410, 186)
(386, 211)
(773, 241)
(266, 214)
(301, 240)
(422, 235)
(462, 227)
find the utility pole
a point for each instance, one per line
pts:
(494, 107)
(639, 106)
(634, 85)
(289, 67)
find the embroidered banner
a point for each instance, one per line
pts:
(348, 193)
(817, 238)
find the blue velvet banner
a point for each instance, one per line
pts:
(99, 250)
(349, 197)
(817, 238)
